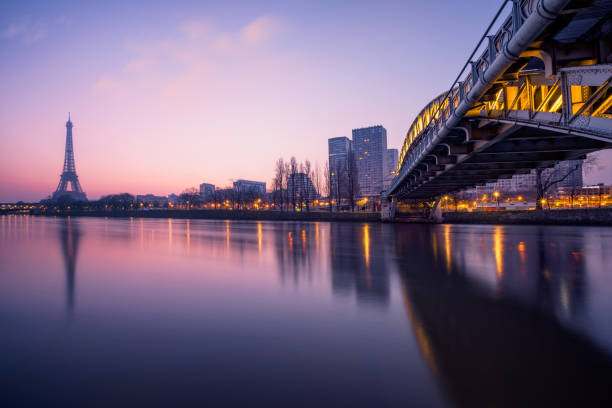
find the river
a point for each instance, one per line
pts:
(168, 312)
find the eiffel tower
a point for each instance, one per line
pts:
(69, 175)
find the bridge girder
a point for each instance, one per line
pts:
(538, 94)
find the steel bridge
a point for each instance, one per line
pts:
(539, 92)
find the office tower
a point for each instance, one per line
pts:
(370, 154)
(339, 149)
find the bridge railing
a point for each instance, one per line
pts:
(435, 114)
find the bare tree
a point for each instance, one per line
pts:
(545, 181)
(338, 186)
(279, 181)
(327, 185)
(287, 171)
(293, 169)
(352, 181)
(316, 180)
(190, 197)
(307, 193)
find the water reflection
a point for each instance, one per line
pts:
(359, 262)
(69, 235)
(295, 245)
(341, 314)
(488, 351)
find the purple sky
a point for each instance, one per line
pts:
(167, 95)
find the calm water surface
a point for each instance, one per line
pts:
(133, 312)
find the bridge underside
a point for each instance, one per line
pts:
(483, 151)
(539, 93)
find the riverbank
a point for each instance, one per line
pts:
(221, 215)
(591, 216)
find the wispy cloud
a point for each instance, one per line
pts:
(198, 67)
(27, 32)
(261, 29)
(138, 65)
(31, 31)
(195, 29)
(107, 84)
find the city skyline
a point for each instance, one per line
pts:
(163, 99)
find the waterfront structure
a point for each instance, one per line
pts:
(370, 155)
(392, 156)
(206, 190)
(248, 186)
(340, 152)
(524, 102)
(157, 201)
(568, 173)
(69, 175)
(586, 196)
(300, 188)
(173, 199)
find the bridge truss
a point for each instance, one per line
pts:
(540, 92)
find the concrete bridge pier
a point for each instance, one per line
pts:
(388, 206)
(436, 212)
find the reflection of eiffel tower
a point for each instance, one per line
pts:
(69, 175)
(69, 236)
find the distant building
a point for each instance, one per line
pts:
(173, 199)
(575, 178)
(300, 187)
(340, 152)
(527, 182)
(206, 190)
(157, 201)
(370, 154)
(392, 157)
(595, 191)
(248, 186)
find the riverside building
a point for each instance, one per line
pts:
(370, 155)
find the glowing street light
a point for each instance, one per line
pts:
(496, 195)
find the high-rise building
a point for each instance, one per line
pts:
(300, 187)
(248, 186)
(392, 157)
(340, 152)
(370, 154)
(206, 190)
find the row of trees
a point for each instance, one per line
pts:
(224, 197)
(296, 186)
(545, 181)
(343, 182)
(122, 201)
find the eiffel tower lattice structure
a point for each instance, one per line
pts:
(69, 176)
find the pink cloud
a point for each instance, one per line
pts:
(107, 84)
(261, 29)
(194, 29)
(138, 65)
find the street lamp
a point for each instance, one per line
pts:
(496, 194)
